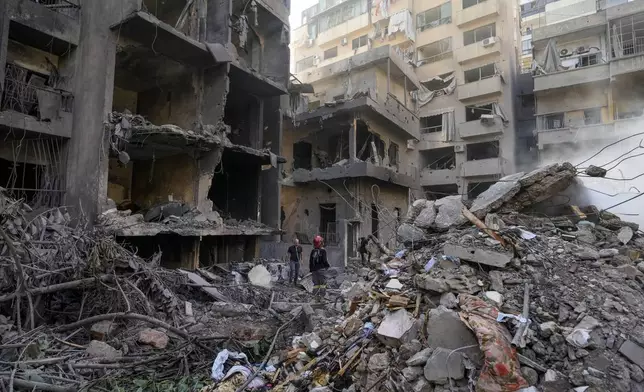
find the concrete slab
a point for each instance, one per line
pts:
(443, 365)
(445, 329)
(213, 292)
(634, 352)
(496, 195)
(408, 233)
(476, 255)
(426, 217)
(397, 328)
(449, 212)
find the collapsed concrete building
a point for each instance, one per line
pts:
(350, 152)
(160, 118)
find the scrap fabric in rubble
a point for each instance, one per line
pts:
(488, 295)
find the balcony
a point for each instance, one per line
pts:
(393, 8)
(279, 8)
(482, 167)
(472, 129)
(403, 176)
(489, 8)
(589, 74)
(484, 87)
(65, 7)
(589, 24)
(632, 59)
(570, 135)
(429, 177)
(339, 31)
(27, 103)
(487, 47)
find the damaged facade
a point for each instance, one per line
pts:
(587, 81)
(161, 119)
(464, 55)
(351, 151)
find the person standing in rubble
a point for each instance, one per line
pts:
(364, 241)
(295, 256)
(318, 264)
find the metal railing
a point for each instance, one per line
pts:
(65, 7)
(26, 92)
(437, 128)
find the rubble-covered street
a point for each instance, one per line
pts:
(487, 296)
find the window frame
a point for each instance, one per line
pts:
(479, 71)
(359, 41)
(437, 57)
(333, 53)
(476, 2)
(426, 25)
(297, 64)
(478, 32)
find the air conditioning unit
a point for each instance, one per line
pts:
(310, 42)
(344, 41)
(489, 41)
(583, 49)
(487, 119)
(459, 148)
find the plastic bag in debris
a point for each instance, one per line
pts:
(526, 235)
(579, 338)
(400, 254)
(430, 263)
(217, 372)
(258, 381)
(501, 371)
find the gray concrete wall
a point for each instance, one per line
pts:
(40, 18)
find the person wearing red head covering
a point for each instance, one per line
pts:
(318, 264)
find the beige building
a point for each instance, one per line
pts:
(588, 92)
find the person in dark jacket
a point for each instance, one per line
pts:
(318, 264)
(295, 256)
(362, 249)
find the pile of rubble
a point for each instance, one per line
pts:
(487, 298)
(80, 312)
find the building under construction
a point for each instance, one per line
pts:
(159, 119)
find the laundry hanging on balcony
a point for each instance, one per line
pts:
(402, 21)
(424, 95)
(551, 60)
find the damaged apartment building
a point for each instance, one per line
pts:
(159, 119)
(350, 139)
(588, 75)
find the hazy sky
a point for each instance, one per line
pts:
(297, 6)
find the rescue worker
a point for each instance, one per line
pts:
(295, 255)
(318, 264)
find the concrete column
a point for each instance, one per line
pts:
(4, 39)
(353, 130)
(93, 88)
(206, 171)
(212, 103)
(270, 186)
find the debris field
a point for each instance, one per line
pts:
(488, 295)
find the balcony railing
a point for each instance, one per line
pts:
(437, 128)
(27, 93)
(65, 7)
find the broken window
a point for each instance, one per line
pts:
(393, 154)
(471, 3)
(372, 147)
(359, 42)
(435, 192)
(33, 94)
(434, 17)
(306, 63)
(476, 188)
(474, 112)
(526, 46)
(484, 150)
(527, 100)
(627, 36)
(554, 121)
(479, 73)
(588, 59)
(302, 153)
(431, 124)
(436, 51)
(328, 223)
(593, 116)
(479, 34)
(440, 158)
(331, 53)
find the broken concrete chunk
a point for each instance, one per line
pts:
(97, 349)
(420, 358)
(408, 234)
(548, 328)
(422, 385)
(595, 171)
(259, 276)
(397, 328)
(351, 326)
(449, 300)
(587, 254)
(311, 341)
(429, 283)
(494, 259)
(537, 174)
(496, 281)
(633, 351)
(378, 362)
(449, 212)
(412, 373)
(102, 330)
(426, 218)
(494, 197)
(605, 253)
(415, 209)
(588, 322)
(154, 338)
(495, 297)
(446, 329)
(443, 365)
